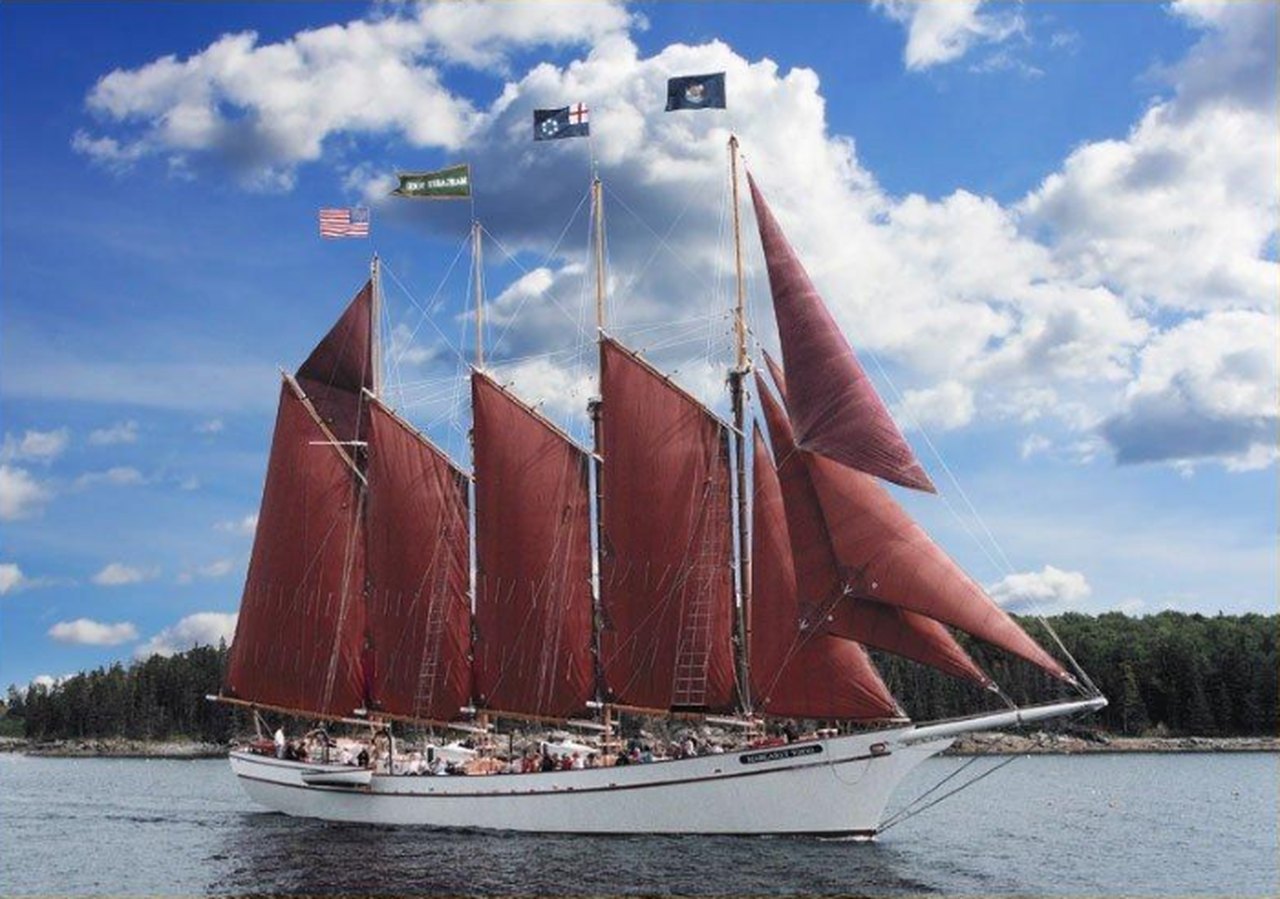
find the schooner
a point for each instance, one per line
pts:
(657, 572)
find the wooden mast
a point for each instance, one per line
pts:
(737, 392)
(594, 406)
(375, 355)
(477, 265)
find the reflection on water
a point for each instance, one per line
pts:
(1077, 826)
(349, 858)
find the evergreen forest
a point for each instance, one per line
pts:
(1166, 674)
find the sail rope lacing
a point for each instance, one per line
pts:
(913, 808)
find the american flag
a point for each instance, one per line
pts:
(344, 222)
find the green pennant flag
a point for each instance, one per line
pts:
(453, 183)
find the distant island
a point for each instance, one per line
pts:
(1176, 682)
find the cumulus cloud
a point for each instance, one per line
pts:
(1052, 309)
(35, 446)
(21, 495)
(1208, 388)
(1040, 590)
(93, 633)
(200, 629)
(942, 32)
(263, 109)
(117, 574)
(945, 407)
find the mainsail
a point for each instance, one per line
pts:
(798, 672)
(666, 559)
(417, 574)
(825, 600)
(834, 408)
(533, 650)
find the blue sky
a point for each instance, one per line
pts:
(1048, 228)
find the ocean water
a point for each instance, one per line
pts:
(1071, 826)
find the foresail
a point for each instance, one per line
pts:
(300, 630)
(822, 579)
(795, 672)
(834, 408)
(417, 592)
(533, 651)
(666, 565)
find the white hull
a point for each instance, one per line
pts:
(833, 787)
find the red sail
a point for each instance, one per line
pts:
(341, 367)
(417, 590)
(821, 578)
(834, 408)
(533, 652)
(893, 561)
(666, 586)
(796, 673)
(300, 631)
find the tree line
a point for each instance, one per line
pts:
(1170, 673)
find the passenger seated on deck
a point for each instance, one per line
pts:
(548, 763)
(622, 759)
(575, 762)
(279, 741)
(362, 760)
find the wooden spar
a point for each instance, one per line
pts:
(375, 289)
(737, 392)
(477, 261)
(283, 710)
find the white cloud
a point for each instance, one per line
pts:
(1033, 445)
(21, 495)
(220, 568)
(945, 407)
(243, 527)
(1049, 310)
(202, 629)
(48, 681)
(93, 633)
(11, 578)
(265, 108)
(944, 30)
(212, 426)
(35, 446)
(1207, 388)
(1040, 590)
(120, 432)
(117, 574)
(117, 476)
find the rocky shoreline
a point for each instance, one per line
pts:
(115, 748)
(986, 743)
(994, 743)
